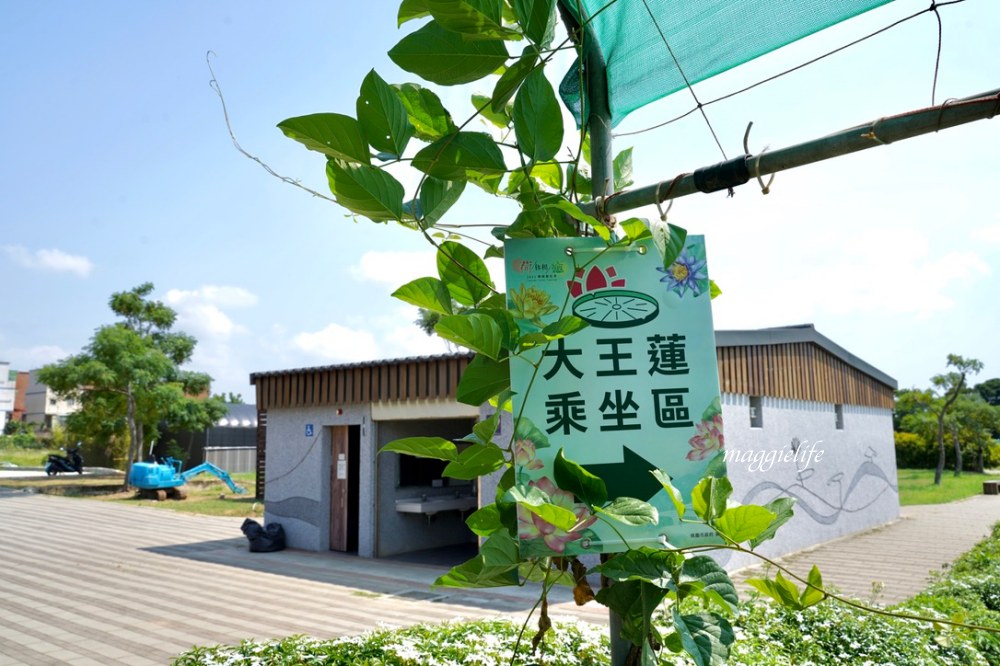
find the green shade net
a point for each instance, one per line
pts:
(706, 36)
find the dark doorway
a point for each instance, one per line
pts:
(345, 442)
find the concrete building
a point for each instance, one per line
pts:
(803, 418)
(43, 406)
(8, 392)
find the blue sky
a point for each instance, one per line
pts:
(116, 168)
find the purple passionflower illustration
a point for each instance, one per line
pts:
(687, 272)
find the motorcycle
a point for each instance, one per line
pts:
(71, 462)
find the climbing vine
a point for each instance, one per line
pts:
(526, 155)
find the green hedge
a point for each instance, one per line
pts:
(829, 633)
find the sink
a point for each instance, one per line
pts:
(433, 505)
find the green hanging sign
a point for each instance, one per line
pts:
(635, 389)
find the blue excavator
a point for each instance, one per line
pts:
(160, 480)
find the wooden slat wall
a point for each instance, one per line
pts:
(799, 371)
(413, 380)
(261, 452)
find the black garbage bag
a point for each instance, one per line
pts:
(264, 539)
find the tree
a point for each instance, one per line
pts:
(128, 378)
(975, 422)
(990, 391)
(950, 386)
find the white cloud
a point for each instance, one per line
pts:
(49, 260)
(234, 297)
(397, 268)
(883, 271)
(200, 311)
(338, 343)
(989, 234)
(35, 357)
(394, 268)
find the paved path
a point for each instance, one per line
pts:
(85, 582)
(896, 558)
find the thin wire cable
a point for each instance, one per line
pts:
(700, 107)
(937, 58)
(892, 25)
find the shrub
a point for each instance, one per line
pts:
(479, 642)
(766, 635)
(22, 441)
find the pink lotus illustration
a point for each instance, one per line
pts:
(708, 439)
(531, 527)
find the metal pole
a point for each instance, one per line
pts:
(598, 125)
(876, 133)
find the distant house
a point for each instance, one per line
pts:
(803, 418)
(8, 393)
(43, 406)
(20, 391)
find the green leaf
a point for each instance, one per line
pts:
(511, 80)
(813, 593)
(500, 118)
(631, 511)
(475, 461)
(782, 590)
(495, 565)
(635, 229)
(743, 523)
(538, 122)
(333, 134)
(573, 478)
(708, 498)
(366, 190)
(411, 9)
(474, 18)
(383, 116)
(568, 325)
(537, 19)
(711, 577)
(453, 157)
(424, 447)
(537, 502)
(429, 118)
(437, 197)
(477, 332)
(578, 182)
(485, 521)
(705, 636)
(464, 273)
(669, 240)
(445, 57)
(782, 510)
(547, 173)
(623, 169)
(486, 429)
(714, 289)
(657, 567)
(634, 601)
(672, 492)
(574, 211)
(426, 292)
(483, 379)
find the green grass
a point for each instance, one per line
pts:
(24, 457)
(206, 495)
(916, 486)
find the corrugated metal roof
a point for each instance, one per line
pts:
(362, 364)
(779, 335)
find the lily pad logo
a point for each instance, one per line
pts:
(601, 300)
